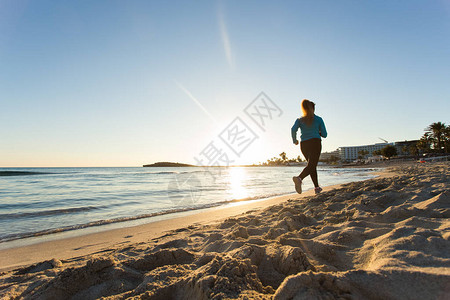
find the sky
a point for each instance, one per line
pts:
(125, 83)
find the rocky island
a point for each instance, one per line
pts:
(168, 164)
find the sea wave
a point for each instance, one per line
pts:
(22, 173)
(169, 172)
(11, 237)
(163, 173)
(48, 212)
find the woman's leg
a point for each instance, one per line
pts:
(311, 150)
(306, 150)
(314, 160)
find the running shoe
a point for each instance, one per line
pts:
(298, 184)
(317, 190)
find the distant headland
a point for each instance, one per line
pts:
(168, 164)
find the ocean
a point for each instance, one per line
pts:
(39, 202)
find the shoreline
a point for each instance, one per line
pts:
(24, 253)
(103, 225)
(29, 238)
(20, 252)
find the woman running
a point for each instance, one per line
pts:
(312, 128)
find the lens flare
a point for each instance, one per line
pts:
(236, 187)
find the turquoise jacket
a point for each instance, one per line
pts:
(314, 131)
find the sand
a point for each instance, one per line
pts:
(384, 238)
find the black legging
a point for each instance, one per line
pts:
(311, 150)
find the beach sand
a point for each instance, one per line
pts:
(384, 238)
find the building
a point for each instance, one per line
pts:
(326, 156)
(404, 148)
(350, 153)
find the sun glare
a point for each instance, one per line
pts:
(236, 188)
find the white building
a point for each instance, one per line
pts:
(327, 155)
(350, 153)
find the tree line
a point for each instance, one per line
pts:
(281, 160)
(435, 139)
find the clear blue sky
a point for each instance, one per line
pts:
(113, 83)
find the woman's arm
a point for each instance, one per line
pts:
(294, 131)
(322, 130)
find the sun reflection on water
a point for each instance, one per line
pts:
(236, 187)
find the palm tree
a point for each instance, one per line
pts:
(363, 153)
(389, 151)
(447, 138)
(376, 152)
(437, 131)
(424, 143)
(412, 149)
(283, 156)
(405, 150)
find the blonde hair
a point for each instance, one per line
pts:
(308, 111)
